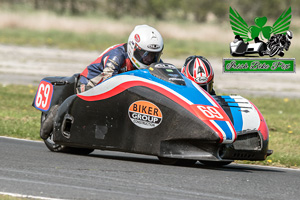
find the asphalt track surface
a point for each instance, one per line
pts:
(30, 169)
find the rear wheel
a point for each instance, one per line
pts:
(52, 146)
(174, 161)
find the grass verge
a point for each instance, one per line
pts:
(101, 41)
(8, 197)
(282, 117)
(19, 119)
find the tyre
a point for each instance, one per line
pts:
(174, 161)
(274, 51)
(215, 163)
(281, 54)
(52, 146)
(262, 49)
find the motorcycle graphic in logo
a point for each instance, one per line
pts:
(279, 36)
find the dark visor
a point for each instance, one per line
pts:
(146, 57)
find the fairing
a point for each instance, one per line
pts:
(142, 111)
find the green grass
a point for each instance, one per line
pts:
(53, 38)
(19, 119)
(100, 41)
(282, 117)
(7, 197)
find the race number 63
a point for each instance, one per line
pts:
(43, 96)
(210, 112)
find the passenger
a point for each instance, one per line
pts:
(199, 70)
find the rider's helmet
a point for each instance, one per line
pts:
(199, 70)
(289, 35)
(145, 46)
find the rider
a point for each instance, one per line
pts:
(283, 39)
(144, 47)
(199, 70)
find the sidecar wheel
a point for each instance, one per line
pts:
(52, 146)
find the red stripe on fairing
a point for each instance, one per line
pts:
(124, 86)
(224, 113)
(213, 127)
(263, 128)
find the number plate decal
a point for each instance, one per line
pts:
(210, 113)
(43, 96)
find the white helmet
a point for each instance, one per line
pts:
(145, 46)
(289, 35)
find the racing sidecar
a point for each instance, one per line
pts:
(155, 111)
(239, 48)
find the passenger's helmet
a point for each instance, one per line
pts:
(199, 70)
(145, 46)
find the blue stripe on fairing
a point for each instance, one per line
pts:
(189, 91)
(225, 128)
(237, 118)
(233, 104)
(235, 112)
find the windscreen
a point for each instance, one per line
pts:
(166, 72)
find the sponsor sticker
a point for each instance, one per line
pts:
(145, 114)
(153, 46)
(137, 38)
(201, 79)
(165, 66)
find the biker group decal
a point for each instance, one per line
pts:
(145, 114)
(260, 40)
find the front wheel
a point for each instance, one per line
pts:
(274, 51)
(52, 146)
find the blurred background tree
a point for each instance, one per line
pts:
(191, 10)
